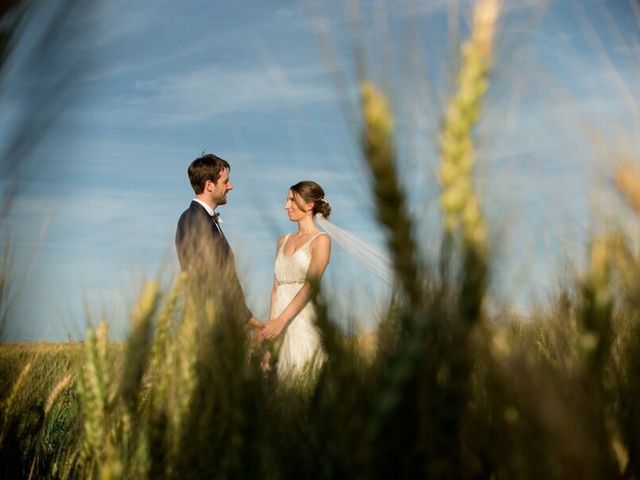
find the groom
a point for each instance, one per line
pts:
(202, 248)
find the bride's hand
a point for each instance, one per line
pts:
(272, 329)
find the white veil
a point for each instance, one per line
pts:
(369, 256)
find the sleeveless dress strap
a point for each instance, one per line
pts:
(304, 245)
(316, 236)
(310, 241)
(284, 240)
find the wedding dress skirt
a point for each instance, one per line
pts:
(300, 352)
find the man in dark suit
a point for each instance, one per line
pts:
(203, 250)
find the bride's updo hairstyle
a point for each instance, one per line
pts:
(309, 191)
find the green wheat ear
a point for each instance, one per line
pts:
(458, 201)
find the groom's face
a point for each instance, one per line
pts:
(222, 187)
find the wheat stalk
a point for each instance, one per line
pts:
(11, 399)
(17, 386)
(377, 146)
(55, 393)
(627, 181)
(93, 399)
(161, 338)
(596, 316)
(459, 202)
(183, 379)
(137, 349)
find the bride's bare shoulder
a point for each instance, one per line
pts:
(281, 240)
(322, 241)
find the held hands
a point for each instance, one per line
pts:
(255, 323)
(268, 330)
(271, 329)
(265, 332)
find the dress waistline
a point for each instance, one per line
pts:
(290, 282)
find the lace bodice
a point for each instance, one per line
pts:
(292, 269)
(301, 349)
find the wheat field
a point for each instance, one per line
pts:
(443, 388)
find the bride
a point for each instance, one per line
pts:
(300, 257)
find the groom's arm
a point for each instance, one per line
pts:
(180, 241)
(254, 322)
(242, 310)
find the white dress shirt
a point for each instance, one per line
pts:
(206, 206)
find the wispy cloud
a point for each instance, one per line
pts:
(210, 92)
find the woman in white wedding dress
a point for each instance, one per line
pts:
(300, 256)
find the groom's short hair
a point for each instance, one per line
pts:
(206, 167)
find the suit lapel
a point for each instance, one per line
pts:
(216, 231)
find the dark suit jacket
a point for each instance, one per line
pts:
(204, 252)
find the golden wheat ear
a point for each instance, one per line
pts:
(377, 146)
(138, 346)
(60, 387)
(627, 181)
(92, 389)
(9, 404)
(458, 201)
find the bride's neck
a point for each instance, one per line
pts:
(306, 225)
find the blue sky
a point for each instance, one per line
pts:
(254, 82)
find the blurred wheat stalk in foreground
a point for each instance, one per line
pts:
(460, 205)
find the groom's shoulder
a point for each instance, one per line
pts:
(194, 208)
(186, 213)
(190, 214)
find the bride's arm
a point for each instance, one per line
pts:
(320, 253)
(273, 297)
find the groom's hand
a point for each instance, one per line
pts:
(255, 323)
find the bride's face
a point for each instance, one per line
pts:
(294, 210)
